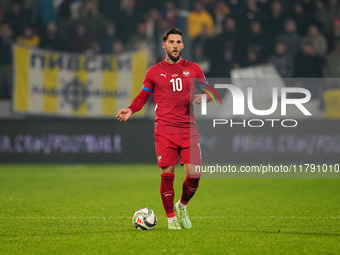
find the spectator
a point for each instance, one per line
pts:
(319, 8)
(230, 36)
(94, 48)
(46, 12)
(64, 18)
(257, 40)
(117, 47)
(6, 39)
(282, 60)
(226, 44)
(109, 8)
(109, 37)
(332, 66)
(81, 41)
(152, 24)
(200, 57)
(141, 41)
(252, 58)
(221, 10)
(197, 19)
(76, 6)
(171, 15)
(145, 5)
(68, 10)
(18, 18)
(222, 66)
(163, 25)
(290, 37)
(302, 19)
(205, 40)
(127, 19)
(307, 63)
(92, 19)
(276, 19)
(331, 12)
(5, 6)
(29, 38)
(317, 40)
(209, 4)
(334, 36)
(51, 39)
(251, 12)
(65, 9)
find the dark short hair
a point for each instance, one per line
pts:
(175, 31)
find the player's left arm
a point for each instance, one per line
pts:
(203, 85)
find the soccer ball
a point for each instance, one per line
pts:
(144, 219)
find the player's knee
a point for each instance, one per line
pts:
(168, 169)
(195, 176)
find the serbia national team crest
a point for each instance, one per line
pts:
(186, 73)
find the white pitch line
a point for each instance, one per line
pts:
(194, 217)
(267, 217)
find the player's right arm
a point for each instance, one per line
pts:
(136, 105)
(202, 83)
(139, 101)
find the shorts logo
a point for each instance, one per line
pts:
(186, 73)
(159, 158)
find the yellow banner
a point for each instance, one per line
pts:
(76, 85)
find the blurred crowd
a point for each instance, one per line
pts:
(300, 37)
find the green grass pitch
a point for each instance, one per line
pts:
(78, 209)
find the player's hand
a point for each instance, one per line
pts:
(124, 114)
(197, 99)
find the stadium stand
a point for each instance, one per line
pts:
(230, 33)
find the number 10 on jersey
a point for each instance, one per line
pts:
(176, 84)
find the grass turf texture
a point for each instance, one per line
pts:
(75, 209)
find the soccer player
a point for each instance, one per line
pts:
(169, 80)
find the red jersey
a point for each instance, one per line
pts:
(173, 95)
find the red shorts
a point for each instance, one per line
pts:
(171, 145)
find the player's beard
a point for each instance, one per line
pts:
(175, 59)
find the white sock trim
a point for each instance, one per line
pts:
(181, 205)
(170, 219)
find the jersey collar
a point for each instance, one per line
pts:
(179, 63)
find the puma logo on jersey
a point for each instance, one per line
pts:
(163, 75)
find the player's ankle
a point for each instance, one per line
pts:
(181, 205)
(170, 219)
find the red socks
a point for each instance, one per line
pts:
(190, 186)
(168, 193)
